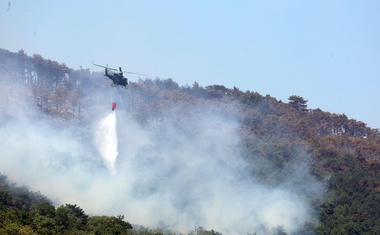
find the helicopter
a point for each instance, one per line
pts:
(117, 77)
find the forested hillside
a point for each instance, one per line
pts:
(279, 140)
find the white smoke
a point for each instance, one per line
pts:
(185, 172)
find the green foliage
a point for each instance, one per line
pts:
(202, 231)
(46, 209)
(70, 218)
(43, 224)
(25, 212)
(108, 225)
(353, 206)
(12, 228)
(141, 230)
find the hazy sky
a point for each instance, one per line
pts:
(328, 52)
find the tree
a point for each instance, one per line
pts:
(59, 97)
(77, 212)
(298, 102)
(43, 224)
(70, 218)
(46, 209)
(203, 231)
(108, 225)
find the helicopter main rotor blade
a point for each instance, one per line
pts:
(119, 70)
(136, 73)
(106, 67)
(99, 65)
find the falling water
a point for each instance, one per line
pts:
(107, 141)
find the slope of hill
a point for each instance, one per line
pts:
(325, 160)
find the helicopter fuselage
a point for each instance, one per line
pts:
(117, 78)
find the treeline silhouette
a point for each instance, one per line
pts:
(345, 153)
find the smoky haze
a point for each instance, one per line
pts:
(184, 170)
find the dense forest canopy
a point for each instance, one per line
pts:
(278, 140)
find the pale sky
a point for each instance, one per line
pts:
(326, 51)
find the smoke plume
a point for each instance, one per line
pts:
(182, 172)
